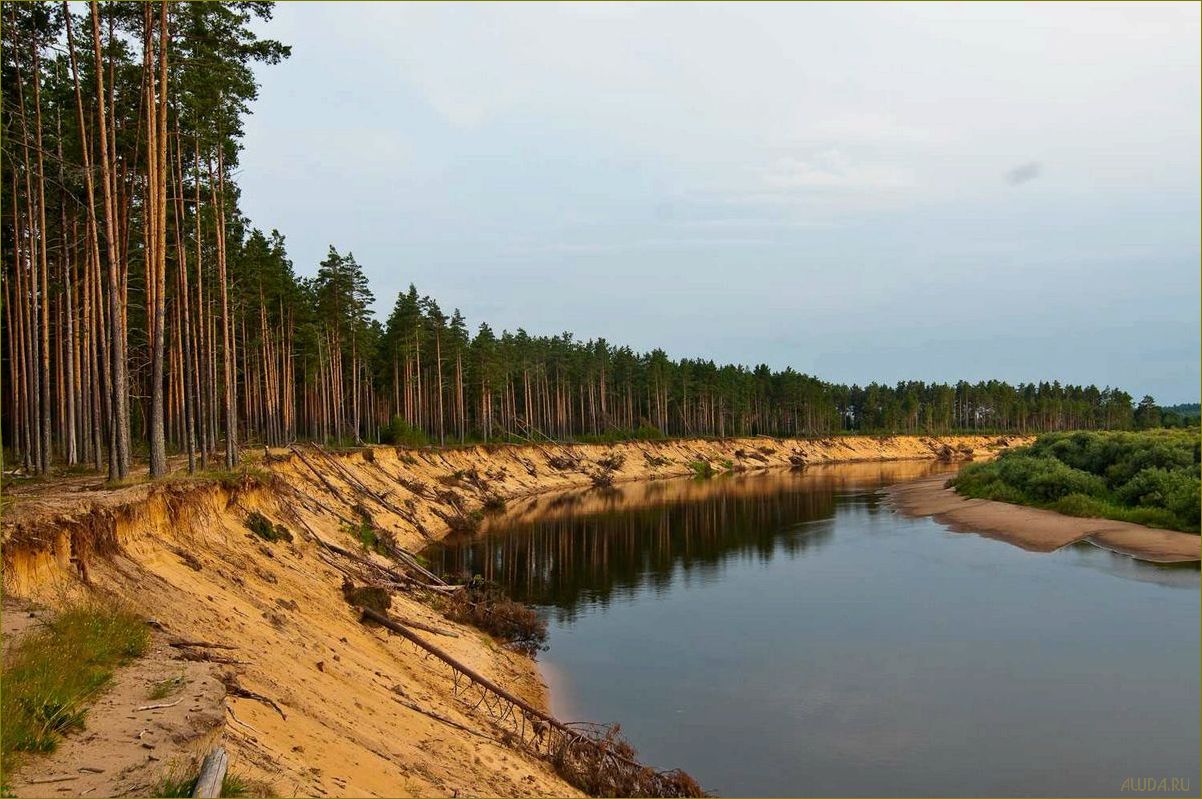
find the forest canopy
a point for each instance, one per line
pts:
(144, 314)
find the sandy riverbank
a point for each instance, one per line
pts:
(361, 713)
(1040, 530)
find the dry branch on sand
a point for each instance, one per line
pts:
(594, 758)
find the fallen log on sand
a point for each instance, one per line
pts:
(212, 774)
(607, 770)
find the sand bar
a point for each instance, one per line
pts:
(1039, 530)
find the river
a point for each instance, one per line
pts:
(788, 633)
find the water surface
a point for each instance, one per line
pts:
(789, 634)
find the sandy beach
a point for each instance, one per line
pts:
(1039, 530)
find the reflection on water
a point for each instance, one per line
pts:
(592, 546)
(781, 634)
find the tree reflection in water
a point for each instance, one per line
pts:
(585, 547)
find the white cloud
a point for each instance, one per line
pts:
(688, 145)
(831, 169)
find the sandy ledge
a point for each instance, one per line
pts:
(1040, 530)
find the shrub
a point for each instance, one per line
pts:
(370, 537)
(1149, 477)
(644, 432)
(261, 526)
(701, 469)
(494, 503)
(611, 461)
(484, 605)
(400, 433)
(367, 596)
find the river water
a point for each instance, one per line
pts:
(790, 634)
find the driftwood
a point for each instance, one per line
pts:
(574, 737)
(427, 628)
(364, 488)
(329, 486)
(234, 716)
(439, 717)
(399, 553)
(50, 780)
(206, 657)
(156, 707)
(212, 774)
(201, 645)
(384, 620)
(436, 584)
(304, 499)
(235, 689)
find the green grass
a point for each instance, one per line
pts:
(370, 537)
(701, 469)
(53, 673)
(644, 432)
(232, 785)
(165, 688)
(1149, 477)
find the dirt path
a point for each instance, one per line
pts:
(1040, 530)
(127, 745)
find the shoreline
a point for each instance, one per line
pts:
(1037, 529)
(377, 720)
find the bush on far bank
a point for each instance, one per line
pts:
(1150, 477)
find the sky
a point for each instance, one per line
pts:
(861, 192)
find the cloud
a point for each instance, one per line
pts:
(1024, 173)
(831, 169)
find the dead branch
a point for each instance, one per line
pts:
(233, 688)
(201, 645)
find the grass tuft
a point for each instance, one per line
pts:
(233, 785)
(165, 688)
(52, 674)
(370, 537)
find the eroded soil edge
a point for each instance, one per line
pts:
(360, 713)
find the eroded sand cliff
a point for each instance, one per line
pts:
(360, 712)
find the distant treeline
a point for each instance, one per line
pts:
(1148, 477)
(144, 315)
(1184, 415)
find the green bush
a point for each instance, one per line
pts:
(261, 526)
(644, 432)
(1150, 477)
(402, 434)
(370, 537)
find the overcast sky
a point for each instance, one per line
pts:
(862, 192)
